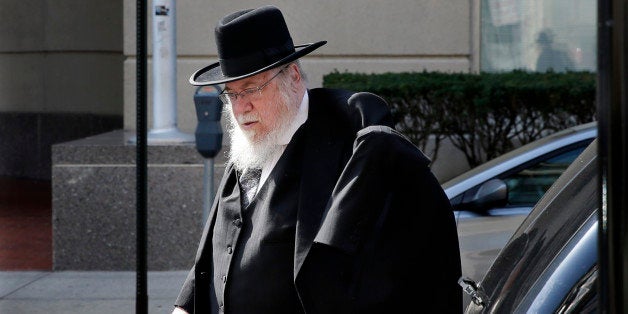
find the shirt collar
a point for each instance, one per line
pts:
(300, 118)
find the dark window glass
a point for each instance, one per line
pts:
(528, 186)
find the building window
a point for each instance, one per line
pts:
(538, 35)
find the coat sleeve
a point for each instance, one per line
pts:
(392, 223)
(364, 190)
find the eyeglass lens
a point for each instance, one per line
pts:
(226, 97)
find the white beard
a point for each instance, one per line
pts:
(246, 153)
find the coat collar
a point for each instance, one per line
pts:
(328, 141)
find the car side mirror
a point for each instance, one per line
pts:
(492, 193)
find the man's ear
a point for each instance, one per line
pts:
(295, 74)
(296, 80)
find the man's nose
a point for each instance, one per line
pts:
(241, 105)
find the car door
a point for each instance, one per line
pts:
(550, 260)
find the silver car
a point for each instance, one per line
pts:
(514, 182)
(491, 200)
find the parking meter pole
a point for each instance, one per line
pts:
(208, 136)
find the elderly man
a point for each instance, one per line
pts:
(323, 207)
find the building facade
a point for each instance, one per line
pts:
(67, 70)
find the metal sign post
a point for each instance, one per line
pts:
(141, 297)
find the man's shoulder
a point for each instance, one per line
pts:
(347, 98)
(329, 95)
(360, 109)
(384, 140)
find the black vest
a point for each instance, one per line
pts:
(253, 247)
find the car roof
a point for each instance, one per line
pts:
(516, 157)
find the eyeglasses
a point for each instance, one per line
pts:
(227, 98)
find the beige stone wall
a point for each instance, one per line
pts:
(61, 78)
(363, 36)
(65, 56)
(61, 56)
(71, 56)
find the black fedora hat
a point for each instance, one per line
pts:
(250, 42)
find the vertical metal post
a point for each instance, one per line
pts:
(141, 297)
(164, 26)
(164, 65)
(603, 103)
(612, 100)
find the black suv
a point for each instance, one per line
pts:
(550, 263)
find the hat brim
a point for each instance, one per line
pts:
(212, 74)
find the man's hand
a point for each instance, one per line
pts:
(178, 310)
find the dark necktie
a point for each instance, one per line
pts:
(249, 181)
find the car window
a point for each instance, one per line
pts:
(527, 186)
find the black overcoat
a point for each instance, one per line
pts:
(375, 232)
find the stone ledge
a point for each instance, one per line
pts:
(93, 183)
(115, 147)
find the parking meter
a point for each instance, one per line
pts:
(208, 130)
(208, 136)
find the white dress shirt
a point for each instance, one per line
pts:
(299, 119)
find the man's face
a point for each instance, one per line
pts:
(260, 122)
(259, 113)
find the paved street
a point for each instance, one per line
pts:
(59, 292)
(481, 239)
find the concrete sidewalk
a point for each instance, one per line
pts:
(87, 292)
